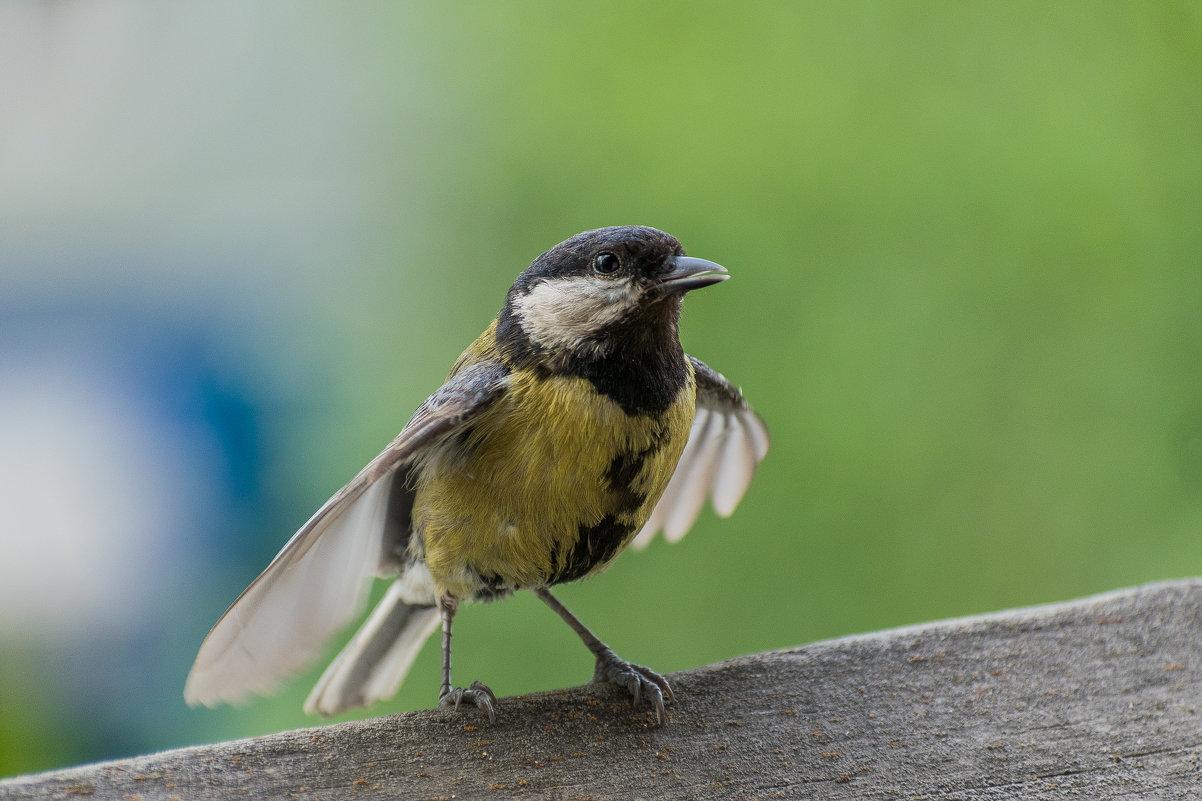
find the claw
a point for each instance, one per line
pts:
(636, 679)
(658, 680)
(479, 695)
(639, 681)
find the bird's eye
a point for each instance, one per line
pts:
(606, 263)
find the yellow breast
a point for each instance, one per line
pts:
(548, 486)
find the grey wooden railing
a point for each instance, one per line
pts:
(1095, 699)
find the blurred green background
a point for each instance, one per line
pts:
(966, 241)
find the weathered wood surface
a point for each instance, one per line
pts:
(1098, 698)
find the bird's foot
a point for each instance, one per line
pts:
(639, 681)
(478, 695)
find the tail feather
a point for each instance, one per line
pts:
(375, 661)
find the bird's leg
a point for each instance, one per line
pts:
(478, 694)
(637, 680)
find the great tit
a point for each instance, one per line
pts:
(572, 427)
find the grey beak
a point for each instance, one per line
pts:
(687, 273)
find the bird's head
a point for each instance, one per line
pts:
(601, 289)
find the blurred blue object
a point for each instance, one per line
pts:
(130, 480)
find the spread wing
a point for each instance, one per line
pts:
(726, 443)
(319, 581)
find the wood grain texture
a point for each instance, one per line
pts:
(1099, 698)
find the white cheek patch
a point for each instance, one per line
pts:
(567, 312)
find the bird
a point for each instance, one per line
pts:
(574, 426)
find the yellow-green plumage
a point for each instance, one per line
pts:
(507, 503)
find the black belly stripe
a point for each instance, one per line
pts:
(598, 544)
(491, 586)
(620, 478)
(594, 546)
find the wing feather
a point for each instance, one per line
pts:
(660, 513)
(726, 442)
(320, 579)
(736, 466)
(696, 477)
